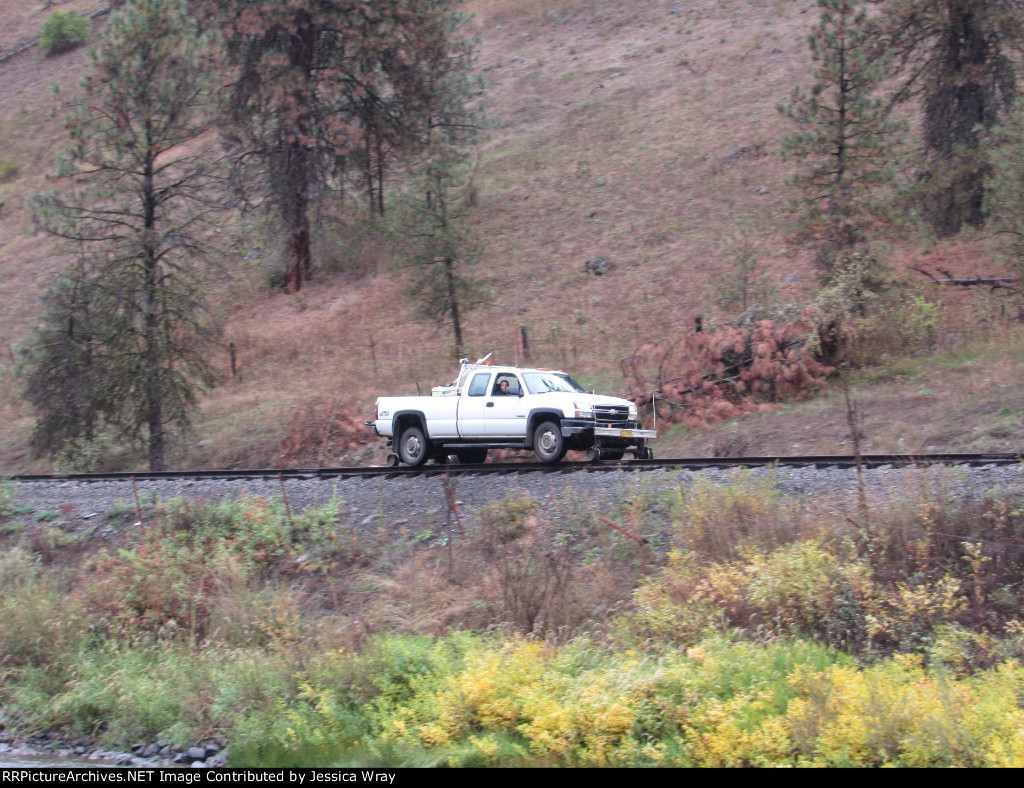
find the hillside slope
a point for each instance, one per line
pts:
(645, 133)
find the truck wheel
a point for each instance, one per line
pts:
(412, 447)
(471, 456)
(548, 443)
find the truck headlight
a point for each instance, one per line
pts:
(632, 413)
(584, 410)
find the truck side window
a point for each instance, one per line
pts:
(478, 388)
(512, 388)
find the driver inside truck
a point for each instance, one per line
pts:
(506, 386)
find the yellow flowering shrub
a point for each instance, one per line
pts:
(587, 716)
(486, 694)
(721, 736)
(524, 690)
(905, 616)
(790, 590)
(898, 714)
(718, 704)
(737, 652)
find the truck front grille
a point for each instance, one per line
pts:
(604, 414)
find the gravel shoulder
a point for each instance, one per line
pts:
(423, 502)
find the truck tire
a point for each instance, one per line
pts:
(412, 447)
(471, 456)
(548, 443)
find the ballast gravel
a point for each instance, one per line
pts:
(423, 501)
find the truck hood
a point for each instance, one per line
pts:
(593, 399)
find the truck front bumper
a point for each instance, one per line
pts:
(628, 433)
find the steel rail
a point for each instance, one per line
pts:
(689, 463)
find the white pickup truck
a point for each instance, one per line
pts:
(491, 407)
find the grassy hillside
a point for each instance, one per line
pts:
(646, 133)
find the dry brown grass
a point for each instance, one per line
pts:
(521, 564)
(643, 132)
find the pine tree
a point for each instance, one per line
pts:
(126, 324)
(955, 56)
(1004, 196)
(843, 136)
(64, 380)
(325, 89)
(742, 284)
(445, 246)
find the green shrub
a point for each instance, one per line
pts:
(344, 708)
(8, 494)
(724, 521)
(197, 571)
(899, 323)
(40, 627)
(139, 693)
(88, 455)
(9, 171)
(63, 31)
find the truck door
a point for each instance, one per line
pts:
(506, 410)
(473, 408)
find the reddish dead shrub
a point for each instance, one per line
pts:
(707, 377)
(320, 432)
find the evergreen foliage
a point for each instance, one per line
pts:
(445, 246)
(65, 383)
(744, 284)
(63, 31)
(1004, 198)
(842, 135)
(120, 345)
(957, 57)
(327, 92)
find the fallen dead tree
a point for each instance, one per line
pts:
(706, 377)
(1010, 283)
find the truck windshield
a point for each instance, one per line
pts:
(540, 382)
(568, 379)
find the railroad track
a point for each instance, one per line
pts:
(815, 461)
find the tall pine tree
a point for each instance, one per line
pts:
(843, 139)
(126, 324)
(1004, 195)
(443, 244)
(955, 56)
(327, 88)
